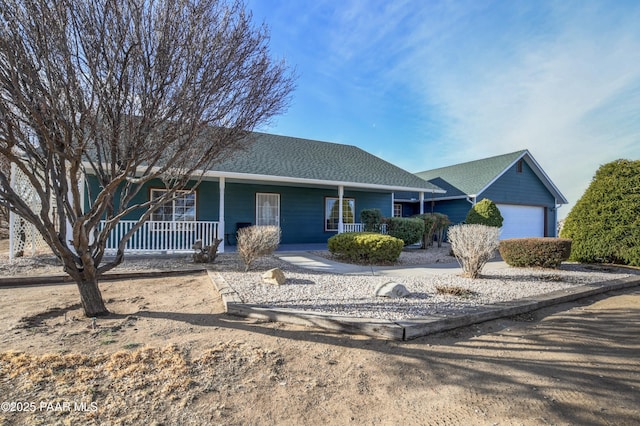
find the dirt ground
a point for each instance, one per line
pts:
(169, 355)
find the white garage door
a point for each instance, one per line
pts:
(521, 221)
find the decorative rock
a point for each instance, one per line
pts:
(274, 276)
(392, 290)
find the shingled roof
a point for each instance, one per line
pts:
(474, 177)
(294, 160)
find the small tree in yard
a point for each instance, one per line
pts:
(473, 246)
(435, 224)
(132, 90)
(257, 241)
(485, 213)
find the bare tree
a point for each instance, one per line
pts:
(130, 90)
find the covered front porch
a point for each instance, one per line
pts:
(222, 204)
(162, 236)
(296, 208)
(179, 237)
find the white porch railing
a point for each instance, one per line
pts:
(162, 236)
(359, 227)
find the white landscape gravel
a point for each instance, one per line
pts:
(353, 295)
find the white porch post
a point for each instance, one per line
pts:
(422, 203)
(340, 197)
(393, 202)
(221, 216)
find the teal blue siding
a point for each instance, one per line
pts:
(456, 210)
(552, 220)
(92, 188)
(206, 198)
(519, 188)
(524, 188)
(207, 204)
(301, 209)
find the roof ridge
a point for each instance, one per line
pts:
(477, 161)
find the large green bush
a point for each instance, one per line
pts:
(605, 223)
(409, 230)
(542, 252)
(485, 212)
(365, 247)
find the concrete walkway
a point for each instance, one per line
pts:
(314, 262)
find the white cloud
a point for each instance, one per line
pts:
(480, 78)
(571, 96)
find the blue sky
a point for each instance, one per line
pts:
(425, 84)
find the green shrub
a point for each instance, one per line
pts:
(542, 252)
(365, 247)
(409, 230)
(485, 213)
(435, 224)
(604, 224)
(371, 219)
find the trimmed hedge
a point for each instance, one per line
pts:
(365, 247)
(542, 252)
(407, 229)
(485, 213)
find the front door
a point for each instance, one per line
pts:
(267, 209)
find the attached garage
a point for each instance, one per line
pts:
(521, 221)
(523, 192)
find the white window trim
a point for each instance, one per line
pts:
(397, 205)
(258, 221)
(173, 205)
(337, 200)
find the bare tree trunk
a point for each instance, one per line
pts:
(83, 271)
(90, 296)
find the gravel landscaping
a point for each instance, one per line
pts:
(353, 295)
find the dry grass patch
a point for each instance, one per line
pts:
(454, 290)
(163, 380)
